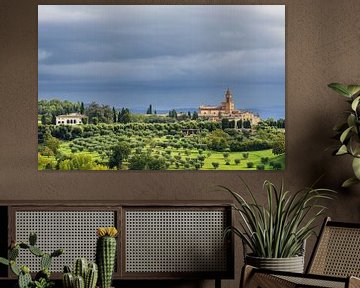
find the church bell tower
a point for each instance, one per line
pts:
(229, 103)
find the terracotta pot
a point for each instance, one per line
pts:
(291, 264)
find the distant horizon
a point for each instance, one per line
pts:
(276, 112)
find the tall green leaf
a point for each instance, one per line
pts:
(340, 88)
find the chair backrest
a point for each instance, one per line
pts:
(337, 251)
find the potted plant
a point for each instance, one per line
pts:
(42, 278)
(276, 233)
(349, 131)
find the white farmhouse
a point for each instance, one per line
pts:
(70, 119)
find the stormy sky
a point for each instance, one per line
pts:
(167, 56)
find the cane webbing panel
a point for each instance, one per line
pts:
(75, 231)
(313, 282)
(175, 241)
(338, 252)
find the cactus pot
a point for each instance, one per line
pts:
(291, 264)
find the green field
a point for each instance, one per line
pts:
(254, 157)
(160, 146)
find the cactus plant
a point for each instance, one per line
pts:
(105, 254)
(24, 277)
(68, 280)
(91, 276)
(42, 278)
(84, 274)
(79, 282)
(80, 267)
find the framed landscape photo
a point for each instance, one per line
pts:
(161, 87)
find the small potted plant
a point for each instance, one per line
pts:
(349, 131)
(42, 278)
(276, 233)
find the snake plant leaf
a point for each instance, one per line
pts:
(340, 88)
(356, 167)
(342, 150)
(349, 182)
(353, 89)
(355, 103)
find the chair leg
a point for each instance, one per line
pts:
(217, 283)
(246, 274)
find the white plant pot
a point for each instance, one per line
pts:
(291, 264)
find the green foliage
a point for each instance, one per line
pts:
(149, 111)
(120, 152)
(42, 278)
(124, 116)
(245, 155)
(79, 161)
(215, 165)
(99, 113)
(51, 143)
(153, 140)
(157, 164)
(250, 164)
(237, 161)
(218, 140)
(260, 167)
(279, 145)
(43, 283)
(195, 116)
(173, 114)
(264, 160)
(279, 229)
(349, 131)
(58, 107)
(85, 274)
(138, 162)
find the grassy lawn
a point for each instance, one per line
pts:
(254, 156)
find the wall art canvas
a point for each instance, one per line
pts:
(161, 87)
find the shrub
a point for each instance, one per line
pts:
(264, 160)
(250, 165)
(245, 155)
(215, 165)
(138, 162)
(277, 166)
(237, 161)
(157, 164)
(260, 167)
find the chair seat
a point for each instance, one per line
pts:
(314, 282)
(255, 278)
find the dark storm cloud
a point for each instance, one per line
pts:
(103, 51)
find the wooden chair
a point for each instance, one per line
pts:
(335, 262)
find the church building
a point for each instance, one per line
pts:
(227, 110)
